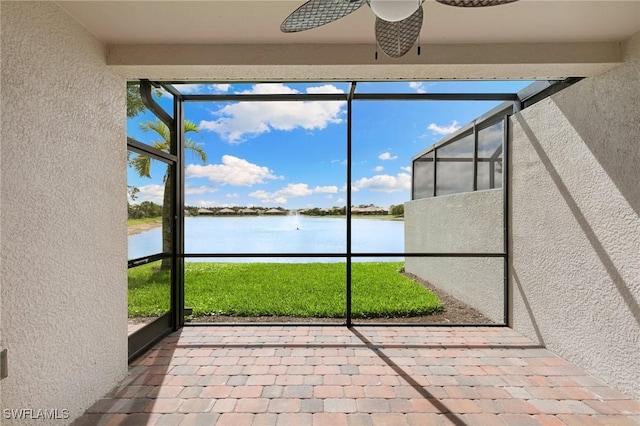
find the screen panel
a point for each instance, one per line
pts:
(490, 143)
(150, 198)
(423, 174)
(149, 293)
(455, 166)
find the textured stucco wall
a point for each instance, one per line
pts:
(576, 223)
(64, 243)
(470, 223)
(1, 106)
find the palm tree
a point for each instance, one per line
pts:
(142, 164)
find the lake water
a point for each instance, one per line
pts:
(278, 234)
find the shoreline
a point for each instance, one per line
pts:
(139, 228)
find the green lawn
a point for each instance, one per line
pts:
(283, 289)
(144, 220)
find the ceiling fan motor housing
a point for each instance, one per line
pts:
(394, 10)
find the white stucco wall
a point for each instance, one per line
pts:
(63, 226)
(469, 223)
(576, 223)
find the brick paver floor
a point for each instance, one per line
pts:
(306, 375)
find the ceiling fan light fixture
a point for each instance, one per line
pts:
(394, 10)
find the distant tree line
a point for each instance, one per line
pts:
(144, 210)
(334, 211)
(397, 210)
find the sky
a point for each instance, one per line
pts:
(293, 154)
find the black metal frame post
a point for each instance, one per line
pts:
(506, 199)
(475, 156)
(178, 227)
(349, 200)
(435, 172)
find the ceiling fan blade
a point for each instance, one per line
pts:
(396, 38)
(315, 13)
(475, 3)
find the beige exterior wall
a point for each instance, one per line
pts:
(576, 223)
(464, 223)
(63, 225)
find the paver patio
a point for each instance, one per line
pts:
(299, 375)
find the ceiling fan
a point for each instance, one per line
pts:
(398, 22)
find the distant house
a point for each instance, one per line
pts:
(275, 212)
(368, 210)
(248, 211)
(204, 212)
(226, 212)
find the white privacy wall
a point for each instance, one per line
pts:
(464, 223)
(63, 225)
(576, 223)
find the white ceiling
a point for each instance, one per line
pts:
(249, 22)
(253, 26)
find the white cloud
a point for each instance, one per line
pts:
(418, 86)
(387, 156)
(295, 190)
(199, 190)
(292, 190)
(444, 130)
(327, 88)
(378, 169)
(340, 200)
(261, 193)
(189, 88)
(204, 203)
(325, 189)
(221, 87)
(384, 183)
(238, 121)
(233, 171)
(152, 192)
(269, 197)
(234, 195)
(406, 169)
